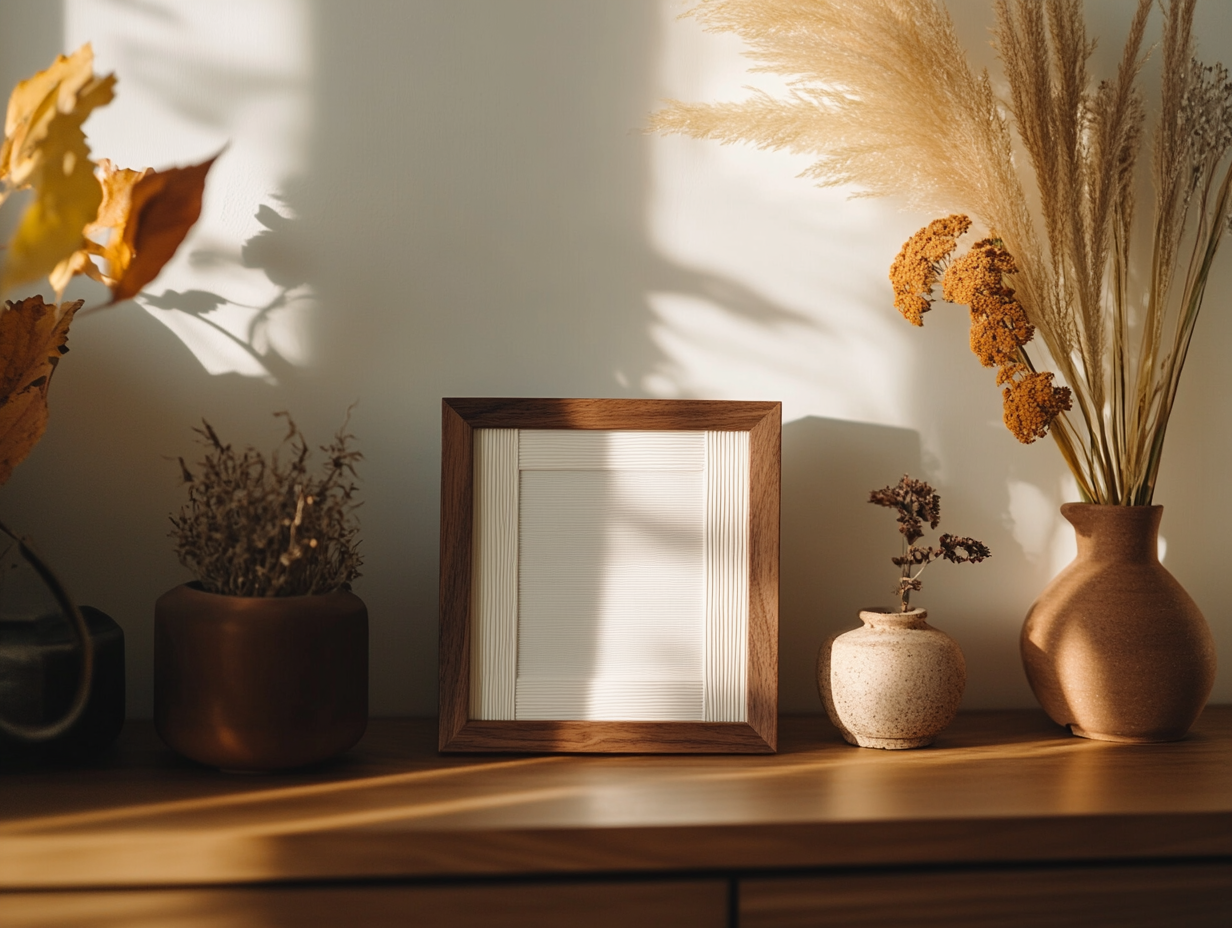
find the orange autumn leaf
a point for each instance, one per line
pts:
(108, 226)
(162, 207)
(114, 210)
(32, 339)
(155, 218)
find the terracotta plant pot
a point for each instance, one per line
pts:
(260, 683)
(894, 683)
(1114, 648)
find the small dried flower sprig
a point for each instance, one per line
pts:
(1000, 329)
(918, 504)
(258, 527)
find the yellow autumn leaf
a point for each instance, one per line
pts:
(32, 339)
(32, 105)
(77, 263)
(47, 151)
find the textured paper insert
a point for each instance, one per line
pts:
(628, 582)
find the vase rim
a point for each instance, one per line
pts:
(196, 588)
(886, 611)
(1065, 506)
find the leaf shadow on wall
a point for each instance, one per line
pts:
(475, 227)
(470, 219)
(253, 333)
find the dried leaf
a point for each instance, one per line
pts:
(32, 339)
(77, 263)
(113, 214)
(162, 207)
(45, 148)
(32, 105)
(118, 186)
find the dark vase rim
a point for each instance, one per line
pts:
(196, 587)
(1112, 506)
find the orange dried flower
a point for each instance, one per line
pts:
(980, 270)
(915, 270)
(999, 324)
(1030, 405)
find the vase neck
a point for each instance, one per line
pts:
(1124, 533)
(879, 618)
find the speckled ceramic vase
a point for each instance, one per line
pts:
(1114, 648)
(894, 683)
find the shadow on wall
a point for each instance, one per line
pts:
(474, 225)
(469, 219)
(835, 550)
(469, 216)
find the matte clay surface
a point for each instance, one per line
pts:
(260, 683)
(894, 683)
(1114, 647)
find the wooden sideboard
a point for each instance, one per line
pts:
(1005, 821)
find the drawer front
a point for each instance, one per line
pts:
(1192, 895)
(701, 903)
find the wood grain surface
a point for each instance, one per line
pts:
(765, 465)
(460, 416)
(457, 530)
(614, 904)
(1197, 895)
(641, 415)
(996, 788)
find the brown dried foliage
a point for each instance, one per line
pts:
(266, 527)
(918, 504)
(33, 337)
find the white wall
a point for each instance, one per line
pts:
(426, 199)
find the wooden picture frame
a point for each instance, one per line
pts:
(465, 728)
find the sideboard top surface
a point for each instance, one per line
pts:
(996, 787)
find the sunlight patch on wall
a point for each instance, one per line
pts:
(1034, 519)
(722, 355)
(781, 288)
(194, 77)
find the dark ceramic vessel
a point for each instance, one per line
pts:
(260, 683)
(1114, 648)
(40, 670)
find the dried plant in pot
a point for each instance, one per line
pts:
(896, 682)
(262, 662)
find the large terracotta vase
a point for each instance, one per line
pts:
(1114, 647)
(260, 683)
